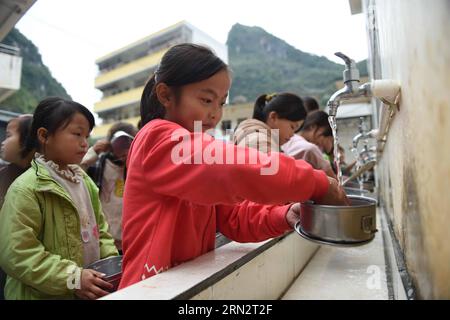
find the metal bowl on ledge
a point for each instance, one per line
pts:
(111, 267)
(352, 225)
(356, 192)
(368, 186)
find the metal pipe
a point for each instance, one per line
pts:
(387, 113)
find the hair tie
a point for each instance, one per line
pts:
(270, 97)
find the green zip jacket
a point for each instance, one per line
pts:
(40, 242)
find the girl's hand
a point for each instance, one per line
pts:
(293, 214)
(92, 285)
(335, 195)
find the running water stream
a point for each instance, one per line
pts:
(358, 166)
(336, 153)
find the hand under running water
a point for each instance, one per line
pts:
(335, 195)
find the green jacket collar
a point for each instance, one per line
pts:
(46, 183)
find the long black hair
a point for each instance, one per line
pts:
(310, 104)
(286, 105)
(317, 119)
(52, 114)
(183, 64)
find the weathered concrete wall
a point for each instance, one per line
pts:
(414, 172)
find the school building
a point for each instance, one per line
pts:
(124, 72)
(10, 57)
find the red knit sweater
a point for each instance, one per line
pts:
(171, 211)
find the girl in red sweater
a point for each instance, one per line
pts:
(183, 185)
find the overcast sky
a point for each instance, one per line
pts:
(71, 34)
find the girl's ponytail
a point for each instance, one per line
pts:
(287, 106)
(151, 108)
(258, 110)
(31, 143)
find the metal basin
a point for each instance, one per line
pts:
(356, 192)
(339, 225)
(355, 185)
(112, 267)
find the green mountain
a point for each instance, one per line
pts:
(262, 63)
(37, 81)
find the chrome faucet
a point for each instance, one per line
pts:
(368, 154)
(352, 88)
(363, 133)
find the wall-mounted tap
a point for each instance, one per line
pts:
(368, 154)
(352, 88)
(364, 135)
(388, 91)
(385, 90)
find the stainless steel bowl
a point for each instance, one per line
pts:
(339, 225)
(356, 192)
(112, 267)
(366, 185)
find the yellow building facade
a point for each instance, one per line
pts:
(123, 73)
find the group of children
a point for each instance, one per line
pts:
(284, 122)
(52, 224)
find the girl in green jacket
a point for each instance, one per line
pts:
(51, 223)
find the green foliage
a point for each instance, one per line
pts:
(37, 81)
(262, 63)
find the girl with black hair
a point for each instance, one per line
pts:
(313, 142)
(276, 117)
(51, 223)
(310, 104)
(183, 185)
(13, 151)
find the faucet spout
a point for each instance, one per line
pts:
(336, 99)
(349, 92)
(356, 139)
(364, 135)
(352, 87)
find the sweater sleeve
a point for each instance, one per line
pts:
(252, 222)
(200, 169)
